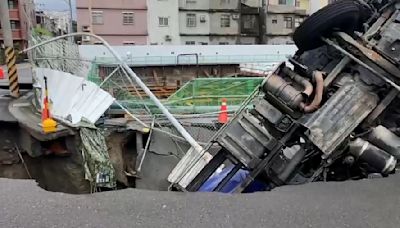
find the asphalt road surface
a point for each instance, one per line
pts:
(367, 203)
(24, 74)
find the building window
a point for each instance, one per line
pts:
(298, 21)
(127, 43)
(274, 21)
(190, 20)
(128, 18)
(203, 43)
(297, 3)
(15, 24)
(190, 43)
(163, 21)
(225, 21)
(223, 43)
(97, 17)
(288, 22)
(12, 4)
(282, 2)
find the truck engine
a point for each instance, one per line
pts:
(329, 113)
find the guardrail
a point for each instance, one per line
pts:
(194, 60)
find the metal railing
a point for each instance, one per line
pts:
(194, 60)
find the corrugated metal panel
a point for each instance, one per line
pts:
(73, 98)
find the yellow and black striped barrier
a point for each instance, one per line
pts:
(11, 60)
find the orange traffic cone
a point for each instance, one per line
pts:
(45, 110)
(48, 124)
(223, 115)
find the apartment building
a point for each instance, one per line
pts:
(163, 22)
(283, 17)
(204, 22)
(22, 19)
(59, 22)
(315, 5)
(193, 22)
(119, 22)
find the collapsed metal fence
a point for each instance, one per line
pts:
(62, 55)
(196, 104)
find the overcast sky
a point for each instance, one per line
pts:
(58, 5)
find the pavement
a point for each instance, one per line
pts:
(5, 99)
(365, 203)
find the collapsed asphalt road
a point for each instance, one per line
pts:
(365, 203)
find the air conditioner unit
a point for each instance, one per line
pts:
(168, 38)
(86, 38)
(235, 16)
(86, 28)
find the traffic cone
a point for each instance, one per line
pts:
(49, 125)
(45, 110)
(223, 115)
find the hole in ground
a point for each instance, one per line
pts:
(63, 171)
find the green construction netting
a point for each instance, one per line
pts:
(200, 95)
(210, 91)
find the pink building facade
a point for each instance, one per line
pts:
(119, 22)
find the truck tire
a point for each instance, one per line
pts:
(343, 16)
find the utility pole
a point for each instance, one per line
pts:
(239, 37)
(70, 20)
(90, 17)
(263, 21)
(9, 48)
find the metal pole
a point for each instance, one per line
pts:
(196, 146)
(9, 48)
(239, 36)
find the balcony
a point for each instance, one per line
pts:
(282, 9)
(16, 33)
(14, 14)
(249, 10)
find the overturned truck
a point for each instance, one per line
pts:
(330, 113)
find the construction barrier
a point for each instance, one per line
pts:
(223, 115)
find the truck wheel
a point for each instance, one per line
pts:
(339, 16)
